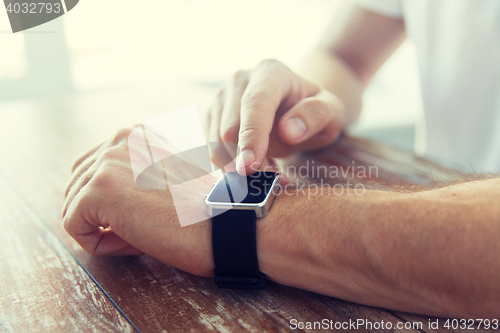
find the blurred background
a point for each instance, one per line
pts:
(132, 55)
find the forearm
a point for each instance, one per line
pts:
(353, 48)
(433, 252)
(330, 72)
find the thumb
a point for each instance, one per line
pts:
(314, 121)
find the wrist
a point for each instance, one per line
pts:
(274, 241)
(202, 260)
(301, 242)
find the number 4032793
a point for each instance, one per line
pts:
(471, 324)
(33, 8)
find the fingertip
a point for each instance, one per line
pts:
(245, 159)
(249, 169)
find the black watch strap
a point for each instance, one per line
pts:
(235, 250)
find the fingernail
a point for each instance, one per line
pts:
(246, 157)
(296, 128)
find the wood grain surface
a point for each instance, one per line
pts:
(44, 288)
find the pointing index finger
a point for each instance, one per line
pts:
(259, 104)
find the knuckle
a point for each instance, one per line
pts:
(67, 224)
(110, 153)
(240, 75)
(248, 133)
(122, 134)
(319, 109)
(229, 133)
(103, 179)
(75, 164)
(270, 62)
(254, 97)
(74, 208)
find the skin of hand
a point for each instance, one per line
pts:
(271, 111)
(107, 213)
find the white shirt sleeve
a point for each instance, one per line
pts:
(390, 8)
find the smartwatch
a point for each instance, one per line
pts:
(235, 203)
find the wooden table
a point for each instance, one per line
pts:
(48, 283)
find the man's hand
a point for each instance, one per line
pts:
(107, 213)
(272, 111)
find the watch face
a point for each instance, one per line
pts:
(235, 188)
